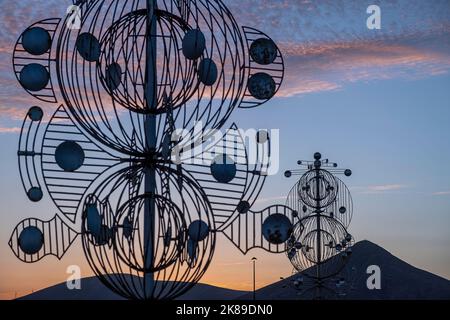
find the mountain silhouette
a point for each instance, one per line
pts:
(93, 289)
(399, 280)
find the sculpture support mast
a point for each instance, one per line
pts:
(318, 214)
(150, 88)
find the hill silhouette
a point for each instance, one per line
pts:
(93, 289)
(399, 280)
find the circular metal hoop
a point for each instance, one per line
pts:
(170, 230)
(343, 200)
(122, 46)
(111, 81)
(318, 188)
(119, 259)
(319, 242)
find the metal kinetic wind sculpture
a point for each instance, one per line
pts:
(126, 80)
(320, 244)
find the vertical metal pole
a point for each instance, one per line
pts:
(150, 88)
(319, 239)
(254, 278)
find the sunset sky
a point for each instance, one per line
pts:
(383, 100)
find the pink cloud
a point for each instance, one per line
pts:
(9, 130)
(321, 55)
(327, 66)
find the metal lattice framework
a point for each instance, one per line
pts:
(320, 245)
(138, 85)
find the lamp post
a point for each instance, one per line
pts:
(254, 277)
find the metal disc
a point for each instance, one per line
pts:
(69, 156)
(194, 44)
(34, 77)
(261, 86)
(36, 41)
(31, 240)
(263, 51)
(88, 47)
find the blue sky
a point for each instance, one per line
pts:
(382, 98)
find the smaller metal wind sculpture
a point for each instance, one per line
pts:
(320, 245)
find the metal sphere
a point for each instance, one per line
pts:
(34, 77)
(69, 156)
(261, 86)
(317, 156)
(31, 240)
(88, 47)
(93, 219)
(263, 51)
(277, 228)
(223, 168)
(194, 44)
(207, 72)
(192, 251)
(36, 41)
(35, 113)
(104, 237)
(288, 174)
(35, 194)
(127, 227)
(348, 172)
(243, 207)
(198, 230)
(113, 76)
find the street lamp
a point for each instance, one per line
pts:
(254, 277)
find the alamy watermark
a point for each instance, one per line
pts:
(374, 20)
(252, 147)
(74, 17)
(374, 280)
(73, 282)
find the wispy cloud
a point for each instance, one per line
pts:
(441, 193)
(387, 187)
(9, 130)
(378, 189)
(326, 44)
(329, 66)
(276, 198)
